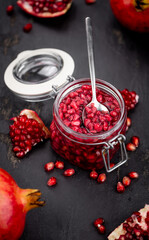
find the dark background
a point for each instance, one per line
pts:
(122, 58)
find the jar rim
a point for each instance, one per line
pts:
(104, 85)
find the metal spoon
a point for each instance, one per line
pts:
(99, 106)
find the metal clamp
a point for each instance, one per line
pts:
(120, 139)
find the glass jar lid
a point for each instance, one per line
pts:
(34, 74)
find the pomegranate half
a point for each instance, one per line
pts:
(45, 8)
(14, 205)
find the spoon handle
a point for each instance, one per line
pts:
(91, 56)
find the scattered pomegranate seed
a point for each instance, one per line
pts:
(133, 175)
(120, 187)
(126, 181)
(69, 172)
(101, 229)
(128, 122)
(49, 166)
(130, 147)
(10, 9)
(93, 174)
(101, 178)
(27, 28)
(98, 221)
(59, 164)
(52, 181)
(112, 165)
(135, 140)
(90, 1)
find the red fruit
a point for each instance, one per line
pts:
(135, 140)
(90, 1)
(133, 175)
(59, 164)
(128, 122)
(101, 178)
(126, 181)
(27, 28)
(132, 14)
(69, 172)
(120, 187)
(10, 9)
(25, 128)
(130, 147)
(135, 227)
(49, 166)
(45, 8)
(112, 165)
(52, 181)
(98, 221)
(101, 229)
(93, 174)
(130, 98)
(14, 205)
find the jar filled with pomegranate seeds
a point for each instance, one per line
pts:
(91, 146)
(41, 74)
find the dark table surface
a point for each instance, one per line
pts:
(122, 58)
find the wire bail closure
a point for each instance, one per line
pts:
(120, 139)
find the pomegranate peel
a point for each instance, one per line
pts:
(14, 205)
(48, 11)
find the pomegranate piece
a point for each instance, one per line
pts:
(98, 221)
(10, 9)
(27, 28)
(15, 202)
(90, 1)
(93, 174)
(49, 166)
(135, 227)
(27, 131)
(101, 178)
(126, 181)
(45, 8)
(120, 187)
(133, 175)
(59, 164)
(130, 98)
(69, 172)
(52, 181)
(130, 147)
(135, 140)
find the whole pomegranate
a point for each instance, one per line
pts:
(133, 14)
(14, 205)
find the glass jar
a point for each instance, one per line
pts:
(89, 151)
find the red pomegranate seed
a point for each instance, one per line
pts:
(101, 229)
(90, 1)
(133, 175)
(130, 147)
(112, 165)
(98, 221)
(126, 181)
(49, 166)
(10, 9)
(101, 178)
(52, 181)
(59, 164)
(120, 187)
(69, 172)
(128, 122)
(93, 174)
(135, 140)
(27, 28)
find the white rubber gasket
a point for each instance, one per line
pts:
(23, 89)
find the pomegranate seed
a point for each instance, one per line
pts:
(101, 229)
(126, 181)
(59, 164)
(112, 165)
(27, 28)
(93, 174)
(128, 122)
(10, 9)
(135, 140)
(98, 221)
(90, 1)
(52, 181)
(49, 166)
(130, 147)
(69, 172)
(120, 187)
(101, 178)
(133, 175)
